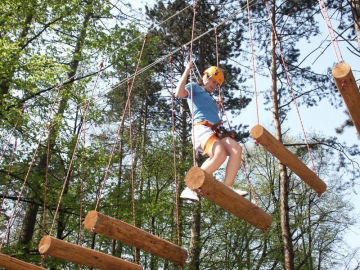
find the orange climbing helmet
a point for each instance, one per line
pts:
(215, 73)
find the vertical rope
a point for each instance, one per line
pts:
(249, 183)
(221, 107)
(43, 222)
(253, 63)
(216, 45)
(174, 152)
(86, 110)
(290, 86)
(331, 32)
(191, 87)
(220, 102)
(120, 126)
(46, 181)
(132, 170)
(82, 180)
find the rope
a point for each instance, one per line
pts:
(221, 107)
(132, 171)
(45, 128)
(46, 181)
(43, 222)
(191, 87)
(331, 32)
(120, 126)
(220, 103)
(253, 63)
(174, 152)
(11, 134)
(148, 30)
(290, 85)
(227, 119)
(82, 180)
(160, 59)
(82, 126)
(249, 183)
(197, 70)
(216, 45)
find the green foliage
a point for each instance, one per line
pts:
(44, 43)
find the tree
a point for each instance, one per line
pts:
(355, 9)
(207, 15)
(67, 38)
(282, 66)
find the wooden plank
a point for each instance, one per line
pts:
(217, 192)
(262, 136)
(11, 263)
(345, 82)
(131, 235)
(81, 255)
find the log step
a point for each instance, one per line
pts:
(262, 136)
(11, 263)
(81, 255)
(225, 197)
(345, 82)
(131, 235)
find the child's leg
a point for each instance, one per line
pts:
(217, 155)
(234, 151)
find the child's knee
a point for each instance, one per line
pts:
(220, 153)
(237, 153)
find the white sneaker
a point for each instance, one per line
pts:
(189, 194)
(240, 192)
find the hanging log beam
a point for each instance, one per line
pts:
(349, 90)
(81, 255)
(131, 235)
(262, 136)
(225, 197)
(11, 263)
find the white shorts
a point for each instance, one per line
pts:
(201, 134)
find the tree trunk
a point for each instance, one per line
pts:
(28, 225)
(355, 9)
(284, 179)
(29, 221)
(195, 245)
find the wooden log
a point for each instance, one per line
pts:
(11, 263)
(262, 136)
(81, 255)
(217, 192)
(131, 235)
(349, 90)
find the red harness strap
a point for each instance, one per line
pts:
(219, 133)
(208, 124)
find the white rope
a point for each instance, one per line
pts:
(142, 70)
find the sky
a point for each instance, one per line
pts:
(323, 118)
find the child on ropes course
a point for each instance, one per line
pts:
(209, 136)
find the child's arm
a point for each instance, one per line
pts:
(180, 89)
